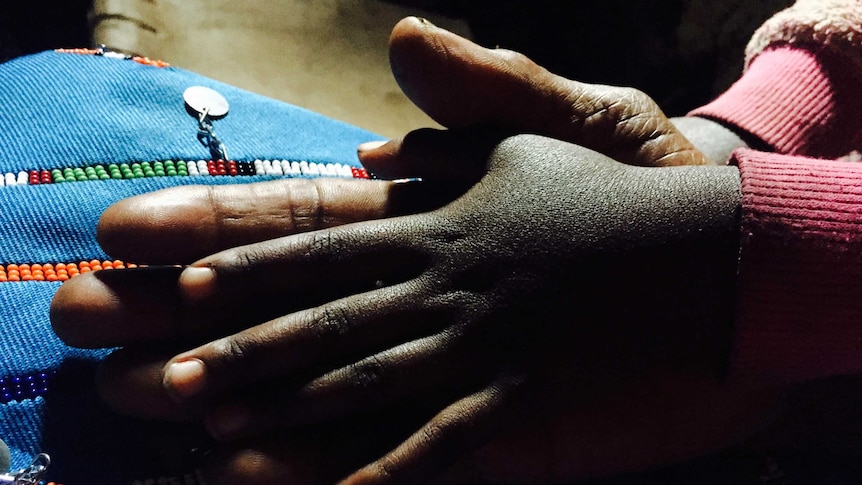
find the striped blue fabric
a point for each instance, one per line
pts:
(71, 110)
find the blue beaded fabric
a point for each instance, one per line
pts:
(69, 110)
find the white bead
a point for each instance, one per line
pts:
(10, 179)
(23, 178)
(313, 169)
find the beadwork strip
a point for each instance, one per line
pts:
(105, 52)
(181, 168)
(56, 272)
(28, 386)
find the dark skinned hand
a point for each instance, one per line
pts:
(495, 318)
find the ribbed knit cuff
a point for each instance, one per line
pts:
(797, 101)
(799, 313)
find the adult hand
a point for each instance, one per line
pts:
(462, 85)
(618, 271)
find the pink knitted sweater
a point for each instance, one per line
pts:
(799, 308)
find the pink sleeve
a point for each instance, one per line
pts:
(796, 101)
(799, 308)
(801, 92)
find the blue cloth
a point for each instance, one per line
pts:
(70, 110)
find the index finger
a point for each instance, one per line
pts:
(182, 224)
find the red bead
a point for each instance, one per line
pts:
(359, 173)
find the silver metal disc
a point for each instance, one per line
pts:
(200, 99)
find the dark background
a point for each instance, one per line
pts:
(681, 52)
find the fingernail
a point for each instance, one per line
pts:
(184, 379)
(370, 145)
(197, 283)
(227, 421)
(425, 21)
(411, 180)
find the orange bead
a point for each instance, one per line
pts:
(35, 266)
(3, 279)
(84, 264)
(60, 266)
(12, 267)
(51, 277)
(131, 265)
(26, 277)
(23, 266)
(85, 269)
(71, 265)
(62, 277)
(95, 262)
(14, 278)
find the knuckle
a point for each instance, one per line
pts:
(635, 97)
(305, 205)
(330, 323)
(367, 373)
(323, 245)
(232, 351)
(245, 259)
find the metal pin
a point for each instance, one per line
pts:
(207, 105)
(32, 475)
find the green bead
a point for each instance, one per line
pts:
(171, 172)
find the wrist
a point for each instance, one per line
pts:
(715, 140)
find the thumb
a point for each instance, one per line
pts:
(463, 85)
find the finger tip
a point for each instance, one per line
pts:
(184, 379)
(129, 382)
(259, 466)
(410, 26)
(75, 310)
(226, 422)
(196, 283)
